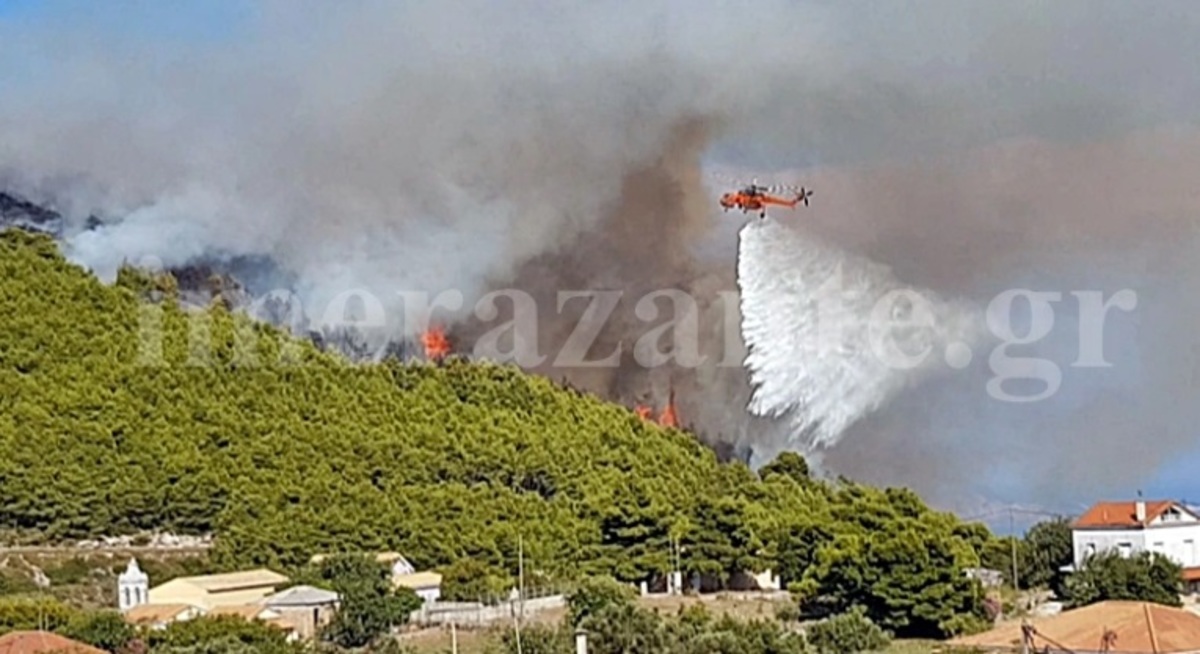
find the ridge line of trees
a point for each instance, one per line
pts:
(449, 463)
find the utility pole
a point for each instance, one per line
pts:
(671, 574)
(674, 587)
(670, 564)
(521, 573)
(679, 585)
(520, 590)
(1012, 529)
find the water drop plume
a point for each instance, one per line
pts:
(832, 336)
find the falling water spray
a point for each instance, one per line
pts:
(833, 337)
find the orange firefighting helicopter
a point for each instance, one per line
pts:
(753, 197)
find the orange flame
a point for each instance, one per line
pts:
(668, 417)
(437, 345)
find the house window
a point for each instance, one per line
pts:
(1189, 552)
(1125, 549)
(1159, 548)
(1089, 551)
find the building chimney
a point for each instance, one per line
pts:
(1141, 511)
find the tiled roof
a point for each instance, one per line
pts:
(247, 611)
(418, 580)
(34, 642)
(1139, 628)
(381, 557)
(301, 596)
(155, 612)
(1123, 514)
(235, 580)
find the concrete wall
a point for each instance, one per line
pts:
(475, 613)
(430, 595)
(307, 619)
(1180, 542)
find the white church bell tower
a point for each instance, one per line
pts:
(133, 587)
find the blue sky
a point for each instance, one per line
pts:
(143, 19)
(33, 32)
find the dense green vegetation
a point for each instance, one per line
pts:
(369, 606)
(1145, 576)
(121, 412)
(284, 451)
(1041, 553)
(848, 633)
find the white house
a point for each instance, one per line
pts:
(427, 585)
(396, 561)
(1163, 526)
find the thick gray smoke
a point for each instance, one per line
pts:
(555, 146)
(1112, 217)
(358, 149)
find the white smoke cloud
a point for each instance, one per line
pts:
(357, 149)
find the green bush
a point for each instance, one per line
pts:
(1144, 577)
(787, 612)
(370, 607)
(71, 571)
(104, 629)
(594, 595)
(472, 580)
(847, 633)
(220, 634)
(15, 583)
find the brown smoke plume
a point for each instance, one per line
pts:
(650, 240)
(645, 243)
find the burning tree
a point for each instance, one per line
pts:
(437, 344)
(668, 418)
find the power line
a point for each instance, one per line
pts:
(1010, 511)
(1016, 583)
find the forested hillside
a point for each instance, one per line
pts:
(292, 451)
